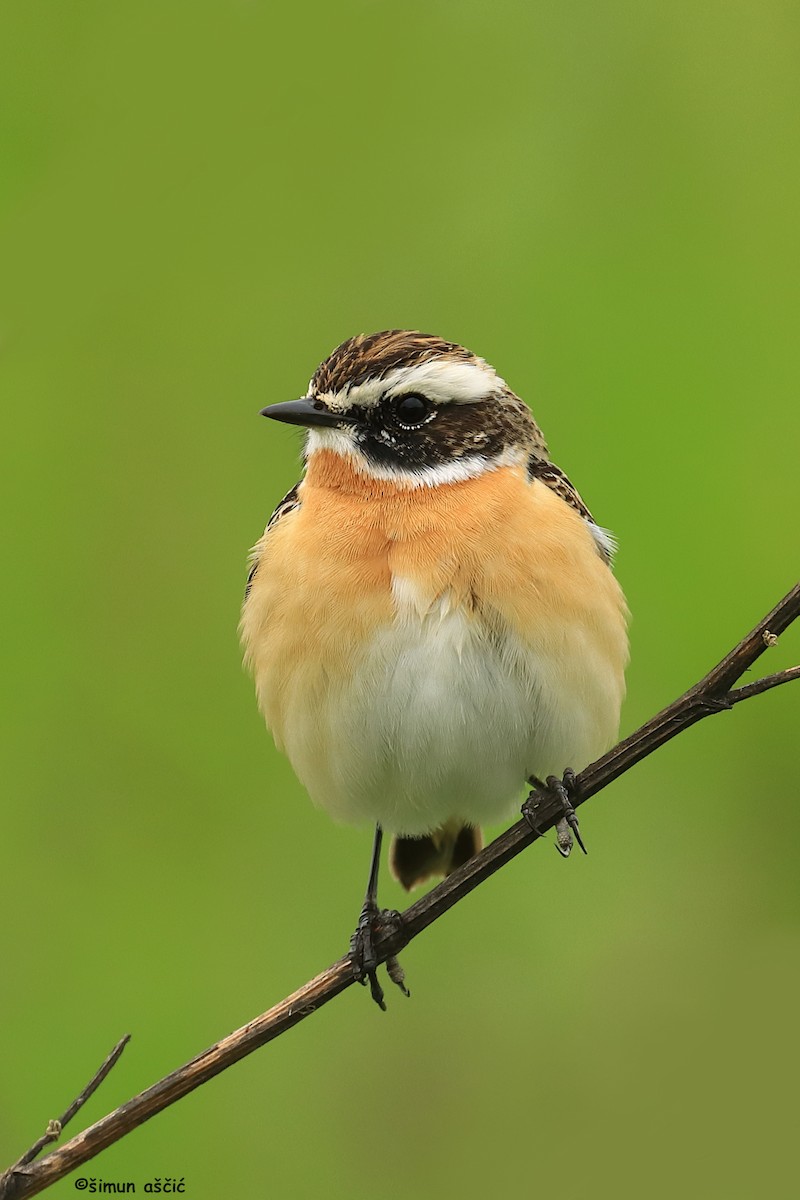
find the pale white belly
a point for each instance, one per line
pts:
(443, 719)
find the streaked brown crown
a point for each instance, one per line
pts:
(374, 355)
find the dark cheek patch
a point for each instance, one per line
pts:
(457, 431)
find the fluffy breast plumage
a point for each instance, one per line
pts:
(419, 652)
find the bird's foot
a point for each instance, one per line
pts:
(565, 791)
(372, 922)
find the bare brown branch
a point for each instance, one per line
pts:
(714, 693)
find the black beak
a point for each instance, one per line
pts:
(305, 412)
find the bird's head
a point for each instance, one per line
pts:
(414, 409)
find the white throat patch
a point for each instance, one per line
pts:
(341, 441)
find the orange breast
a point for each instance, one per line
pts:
(510, 551)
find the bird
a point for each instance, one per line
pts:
(431, 618)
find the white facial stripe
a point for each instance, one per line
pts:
(341, 441)
(442, 381)
(439, 379)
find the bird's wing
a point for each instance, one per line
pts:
(288, 504)
(554, 478)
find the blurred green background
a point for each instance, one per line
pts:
(199, 201)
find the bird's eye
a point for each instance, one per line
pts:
(412, 409)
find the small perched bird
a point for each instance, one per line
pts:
(430, 616)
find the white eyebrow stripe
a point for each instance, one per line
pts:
(439, 379)
(458, 382)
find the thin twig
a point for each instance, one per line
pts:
(763, 685)
(54, 1127)
(711, 695)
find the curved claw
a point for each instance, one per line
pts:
(397, 975)
(529, 806)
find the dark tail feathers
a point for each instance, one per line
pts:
(412, 860)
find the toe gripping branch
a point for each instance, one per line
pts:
(375, 923)
(565, 791)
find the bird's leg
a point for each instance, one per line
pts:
(371, 921)
(564, 790)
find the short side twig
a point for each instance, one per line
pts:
(763, 685)
(714, 693)
(54, 1127)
